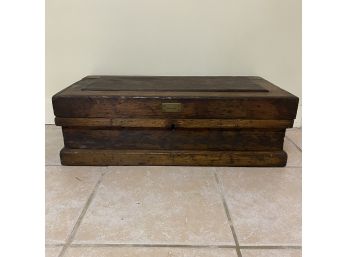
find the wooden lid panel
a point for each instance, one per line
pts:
(173, 84)
(199, 98)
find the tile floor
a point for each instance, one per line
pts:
(173, 211)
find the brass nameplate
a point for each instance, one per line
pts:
(171, 107)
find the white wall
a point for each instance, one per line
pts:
(172, 37)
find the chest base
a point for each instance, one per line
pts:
(101, 157)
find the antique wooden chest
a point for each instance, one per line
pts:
(191, 121)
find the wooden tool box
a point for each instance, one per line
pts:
(191, 121)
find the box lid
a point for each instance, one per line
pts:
(201, 97)
(173, 84)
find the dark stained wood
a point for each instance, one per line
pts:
(173, 139)
(92, 157)
(272, 90)
(206, 121)
(176, 84)
(167, 123)
(240, 108)
(275, 104)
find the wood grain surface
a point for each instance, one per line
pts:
(77, 101)
(168, 123)
(92, 157)
(173, 139)
(171, 120)
(174, 84)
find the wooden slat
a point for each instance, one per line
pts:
(91, 157)
(179, 139)
(166, 123)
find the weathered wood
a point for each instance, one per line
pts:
(208, 121)
(167, 123)
(92, 157)
(192, 108)
(177, 139)
(78, 102)
(174, 84)
(79, 88)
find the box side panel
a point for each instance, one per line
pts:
(177, 139)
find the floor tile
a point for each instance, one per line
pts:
(156, 205)
(294, 154)
(52, 251)
(149, 252)
(295, 135)
(271, 253)
(67, 190)
(53, 144)
(265, 204)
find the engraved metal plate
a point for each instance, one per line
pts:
(171, 107)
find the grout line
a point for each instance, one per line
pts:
(288, 138)
(271, 247)
(220, 188)
(54, 245)
(154, 245)
(178, 245)
(189, 246)
(82, 214)
(265, 247)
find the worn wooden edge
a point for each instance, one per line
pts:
(178, 123)
(92, 157)
(75, 89)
